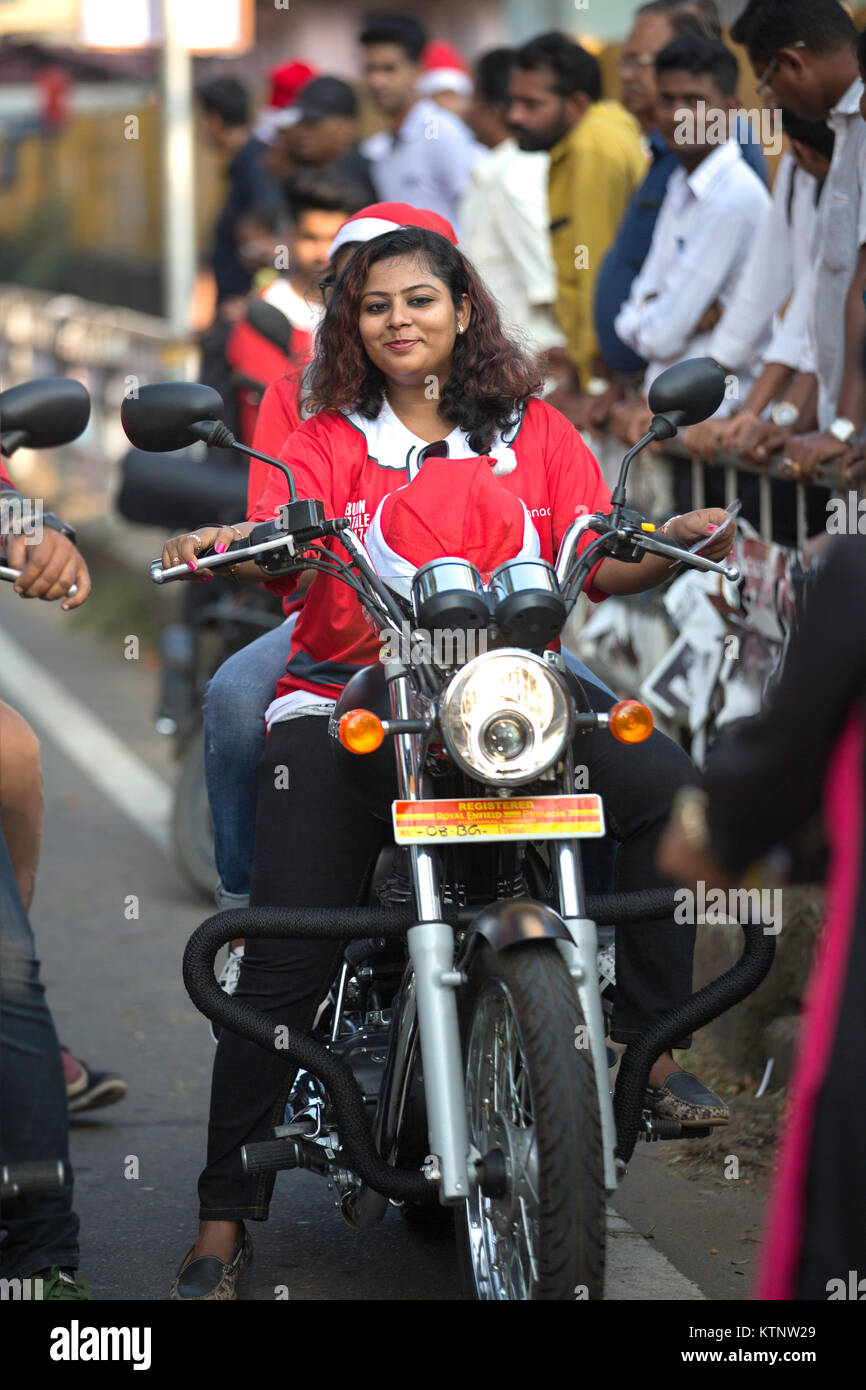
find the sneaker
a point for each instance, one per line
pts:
(86, 1089)
(58, 1284)
(228, 979)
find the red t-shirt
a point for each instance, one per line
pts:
(278, 418)
(5, 480)
(351, 465)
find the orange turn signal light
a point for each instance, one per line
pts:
(361, 731)
(630, 721)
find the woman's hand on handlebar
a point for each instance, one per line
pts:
(184, 550)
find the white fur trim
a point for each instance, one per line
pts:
(362, 229)
(444, 80)
(506, 460)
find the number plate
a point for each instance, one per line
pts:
(495, 818)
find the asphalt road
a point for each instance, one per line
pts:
(114, 985)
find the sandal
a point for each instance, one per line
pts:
(208, 1278)
(684, 1097)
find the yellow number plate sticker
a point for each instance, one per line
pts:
(495, 818)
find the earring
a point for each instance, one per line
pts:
(460, 328)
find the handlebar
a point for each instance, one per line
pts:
(227, 559)
(10, 575)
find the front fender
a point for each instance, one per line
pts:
(505, 924)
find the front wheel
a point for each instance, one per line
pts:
(531, 1100)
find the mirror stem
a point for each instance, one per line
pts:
(216, 436)
(661, 428)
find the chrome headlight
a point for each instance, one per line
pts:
(506, 717)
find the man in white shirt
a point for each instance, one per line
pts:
(713, 207)
(804, 53)
(505, 217)
(776, 281)
(426, 156)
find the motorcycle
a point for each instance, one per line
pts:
(460, 1058)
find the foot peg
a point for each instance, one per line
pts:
(272, 1156)
(652, 1128)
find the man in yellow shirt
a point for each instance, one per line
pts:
(596, 162)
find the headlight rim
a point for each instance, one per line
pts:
(500, 776)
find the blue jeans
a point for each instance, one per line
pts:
(41, 1229)
(234, 736)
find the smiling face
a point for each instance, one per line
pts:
(408, 320)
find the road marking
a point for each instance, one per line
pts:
(140, 794)
(635, 1271)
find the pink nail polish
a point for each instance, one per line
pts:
(193, 564)
(712, 528)
(220, 548)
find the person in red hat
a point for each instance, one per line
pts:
(286, 84)
(445, 78)
(241, 689)
(411, 362)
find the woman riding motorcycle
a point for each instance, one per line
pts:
(411, 354)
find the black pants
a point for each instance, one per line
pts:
(334, 845)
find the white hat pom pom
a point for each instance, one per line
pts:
(506, 461)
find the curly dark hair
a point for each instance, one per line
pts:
(491, 378)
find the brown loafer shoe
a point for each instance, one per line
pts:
(207, 1277)
(685, 1098)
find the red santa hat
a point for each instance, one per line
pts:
(287, 81)
(453, 508)
(443, 70)
(377, 218)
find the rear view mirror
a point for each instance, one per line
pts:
(43, 414)
(160, 418)
(270, 322)
(689, 392)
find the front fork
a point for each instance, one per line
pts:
(581, 957)
(431, 949)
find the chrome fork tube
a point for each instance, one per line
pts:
(582, 961)
(431, 949)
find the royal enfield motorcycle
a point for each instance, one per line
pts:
(460, 1057)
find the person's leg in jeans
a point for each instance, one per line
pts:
(41, 1229)
(234, 736)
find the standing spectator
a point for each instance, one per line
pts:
(504, 214)
(326, 134)
(712, 210)
(596, 162)
(804, 53)
(777, 277)
(426, 155)
(225, 116)
(655, 26)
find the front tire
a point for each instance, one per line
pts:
(531, 1093)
